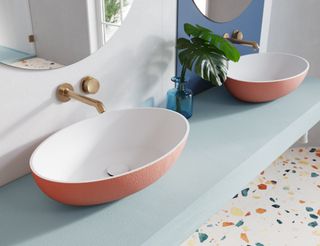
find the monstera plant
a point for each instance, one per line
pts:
(205, 53)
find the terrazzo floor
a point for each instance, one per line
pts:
(281, 207)
(36, 63)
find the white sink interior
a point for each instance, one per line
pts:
(117, 141)
(267, 67)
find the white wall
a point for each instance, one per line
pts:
(15, 25)
(295, 29)
(61, 30)
(134, 68)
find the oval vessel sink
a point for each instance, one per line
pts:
(266, 76)
(110, 156)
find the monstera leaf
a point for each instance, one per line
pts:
(206, 54)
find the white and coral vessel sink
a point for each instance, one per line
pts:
(110, 156)
(266, 77)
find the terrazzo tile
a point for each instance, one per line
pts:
(280, 207)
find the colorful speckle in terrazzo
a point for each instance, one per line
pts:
(262, 187)
(240, 223)
(313, 224)
(260, 210)
(202, 237)
(244, 192)
(280, 207)
(309, 209)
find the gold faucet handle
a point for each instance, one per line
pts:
(90, 85)
(236, 34)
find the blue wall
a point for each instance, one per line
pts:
(249, 22)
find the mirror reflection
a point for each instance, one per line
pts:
(222, 10)
(47, 34)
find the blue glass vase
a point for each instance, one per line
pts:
(179, 98)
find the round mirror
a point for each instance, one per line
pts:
(49, 34)
(222, 10)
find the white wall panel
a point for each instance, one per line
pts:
(61, 30)
(15, 25)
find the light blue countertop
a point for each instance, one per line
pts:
(9, 55)
(230, 143)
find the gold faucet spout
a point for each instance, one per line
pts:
(237, 38)
(253, 44)
(65, 93)
(87, 100)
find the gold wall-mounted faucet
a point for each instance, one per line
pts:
(89, 85)
(237, 38)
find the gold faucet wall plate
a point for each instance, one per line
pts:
(62, 92)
